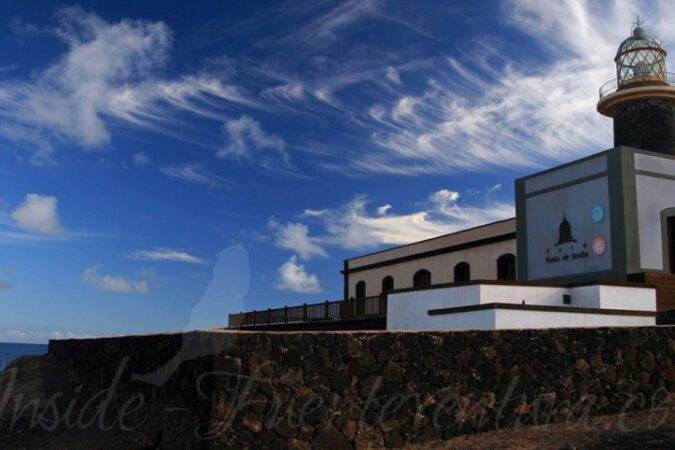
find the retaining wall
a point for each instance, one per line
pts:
(345, 390)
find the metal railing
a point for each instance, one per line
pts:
(328, 310)
(613, 85)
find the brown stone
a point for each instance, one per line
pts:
(392, 372)
(354, 347)
(330, 438)
(297, 444)
(252, 423)
(369, 438)
(302, 394)
(581, 365)
(523, 408)
(643, 378)
(349, 429)
(647, 361)
(630, 355)
(285, 429)
(596, 361)
(490, 352)
(668, 373)
(259, 403)
(291, 376)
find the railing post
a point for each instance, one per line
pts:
(326, 309)
(304, 312)
(255, 318)
(383, 304)
(269, 316)
(285, 314)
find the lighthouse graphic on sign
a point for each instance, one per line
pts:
(565, 232)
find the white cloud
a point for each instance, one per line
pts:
(38, 214)
(289, 91)
(141, 159)
(15, 335)
(109, 72)
(382, 210)
(167, 254)
(393, 75)
(294, 278)
(326, 27)
(295, 237)
(113, 283)
(354, 227)
(247, 140)
(313, 212)
(193, 173)
(5, 285)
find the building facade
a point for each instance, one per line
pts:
(486, 252)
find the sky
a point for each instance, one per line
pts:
(165, 163)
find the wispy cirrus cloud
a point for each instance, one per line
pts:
(358, 226)
(141, 159)
(245, 139)
(167, 255)
(475, 105)
(326, 26)
(193, 173)
(109, 74)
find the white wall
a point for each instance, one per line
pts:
(514, 319)
(653, 196)
(614, 297)
(409, 310)
(532, 295)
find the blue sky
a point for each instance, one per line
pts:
(165, 163)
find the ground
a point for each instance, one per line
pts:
(40, 377)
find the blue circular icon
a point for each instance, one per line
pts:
(598, 213)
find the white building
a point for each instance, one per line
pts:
(592, 244)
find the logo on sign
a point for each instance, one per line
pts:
(599, 245)
(598, 213)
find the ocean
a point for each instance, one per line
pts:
(9, 352)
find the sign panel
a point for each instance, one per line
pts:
(568, 231)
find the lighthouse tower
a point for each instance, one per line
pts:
(641, 100)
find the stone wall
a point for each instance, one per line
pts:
(366, 389)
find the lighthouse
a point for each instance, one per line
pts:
(620, 202)
(641, 99)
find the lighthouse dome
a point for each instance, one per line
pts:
(640, 59)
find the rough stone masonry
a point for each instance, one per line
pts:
(345, 390)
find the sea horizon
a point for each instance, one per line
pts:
(9, 351)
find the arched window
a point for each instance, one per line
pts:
(462, 272)
(361, 289)
(506, 267)
(387, 284)
(422, 278)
